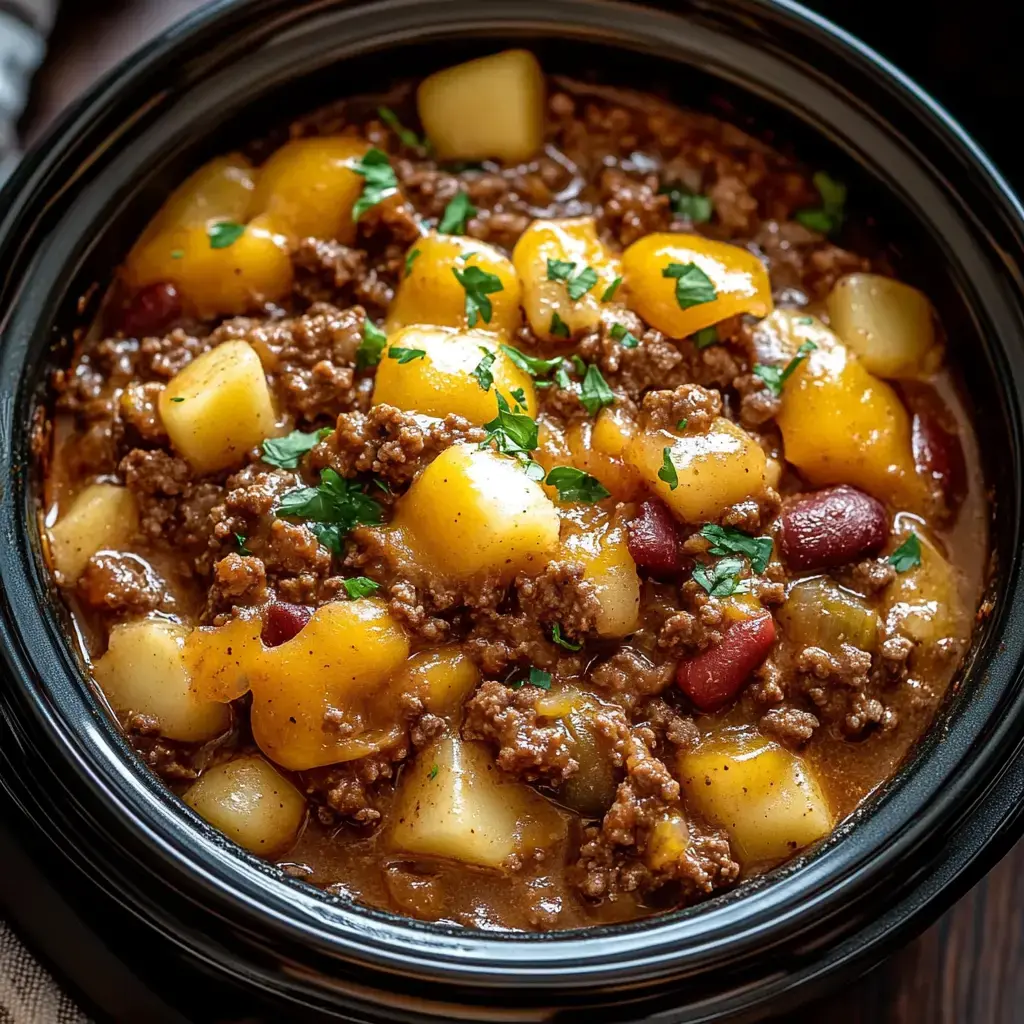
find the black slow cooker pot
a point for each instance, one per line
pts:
(210, 933)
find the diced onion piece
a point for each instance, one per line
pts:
(492, 107)
(887, 323)
(101, 516)
(819, 613)
(250, 802)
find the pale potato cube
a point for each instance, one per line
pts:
(492, 107)
(101, 516)
(713, 470)
(441, 381)
(597, 541)
(340, 663)
(218, 407)
(572, 241)
(454, 803)
(430, 293)
(442, 678)
(474, 512)
(250, 802)
(765, 797)
(143, 672)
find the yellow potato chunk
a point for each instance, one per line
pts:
(308, 188)
(218, 407)
(335, 670)
(713, 470)
(779, 335)
(219, 659)
(668, 842)
(492, 107)
(572, 241)
(473, 512)
(101, 516)
(841, 425)
(441, 381)
(454, 803)
(442, 678)
(430, 292)
(738, 277)
(820, 613)
(597, 541)
(143, 672)
(765, 797)
(250, 802)
(597, 447)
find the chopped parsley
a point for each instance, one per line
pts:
(579, 285)
(432, 774)
(609, 292)
(240, 541)
(559, 270)
(482, 370)
(405, 355)
(720, 579)
(520, 396)
(532, 365)
(706, 337)
(410, 259)
(333, 508)
(556, 636)
(360, 586)
(577, 361)
(727, 540)
(407, 135)
(379, 181)
(559, 328)
(178, 399)
(382, 484)
(456, 215)
(625, 338)
(177, 254)
(775, 378)
(536, 677)
(286, 452)
(371, 347)
(478, 285)
(513, 433)
(693, 286)
(828, 217)
(595, 393)
(575, 485)
(691, 205)
(907, 555)
(668, 471)
(224, 233)
(562, 379)
(681, 425)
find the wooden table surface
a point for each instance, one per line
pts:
(968, 968)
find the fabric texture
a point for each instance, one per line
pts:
(28, 995)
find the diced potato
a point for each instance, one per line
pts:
(841, 425)
(714, 470)
(218, 407)
(574, 241)
(308, 188)
(739, 279)
(442, 381)
(250, 802)
(143, 672)
(253, 269)
(819, 613)
(474, 512)
(430, 293)
(597, 540)
(668, 842)
(340, 664)
(443, 678)
(888, 324)
(220, 659)
(766, 798)
(455, 804)
(588, 442)
(590, 791)
(778, 337)
(492, 107)
(101, 516)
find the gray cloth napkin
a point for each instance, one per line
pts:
(28, 995)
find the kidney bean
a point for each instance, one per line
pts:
(832, 527)
(282, 621)
(653, 539)
(151, 311)
(939, 455)
(714, 676)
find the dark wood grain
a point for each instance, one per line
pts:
(966, 969)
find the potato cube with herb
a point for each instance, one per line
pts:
(218, 407)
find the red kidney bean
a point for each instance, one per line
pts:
(832, 527)
(151, 311)
(653, 539)
(282, 621)
(938, 454)
(715, 676)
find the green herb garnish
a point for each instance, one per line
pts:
(681, 425)
(432, 774)
(556, 635)
(177, 254)
(178, 399)
(693, 286)
(379, 181)
(536, 677)
(240, 541)
(478, 285)
(482, 370)
(532, 365)
(224, 233)
(513, 433)
(333, 508)
(720, 579)
(405, 355)
(775, 378)
(727, 540)
(286, 452)
(410, 259)
(371, 347)
(407, 135)
(668, 471)
(625, 338)
(559, 328)
(456, 215)
(559, 270)
(609, 292)
(691, 205)
(907, 555)
(828, 217)
(360, 586)
(595, 393)
(575, 485)
(579, 285)
(706, 337)
(520, 396)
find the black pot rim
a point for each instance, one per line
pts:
(962, 779)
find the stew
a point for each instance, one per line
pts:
(506, 503)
